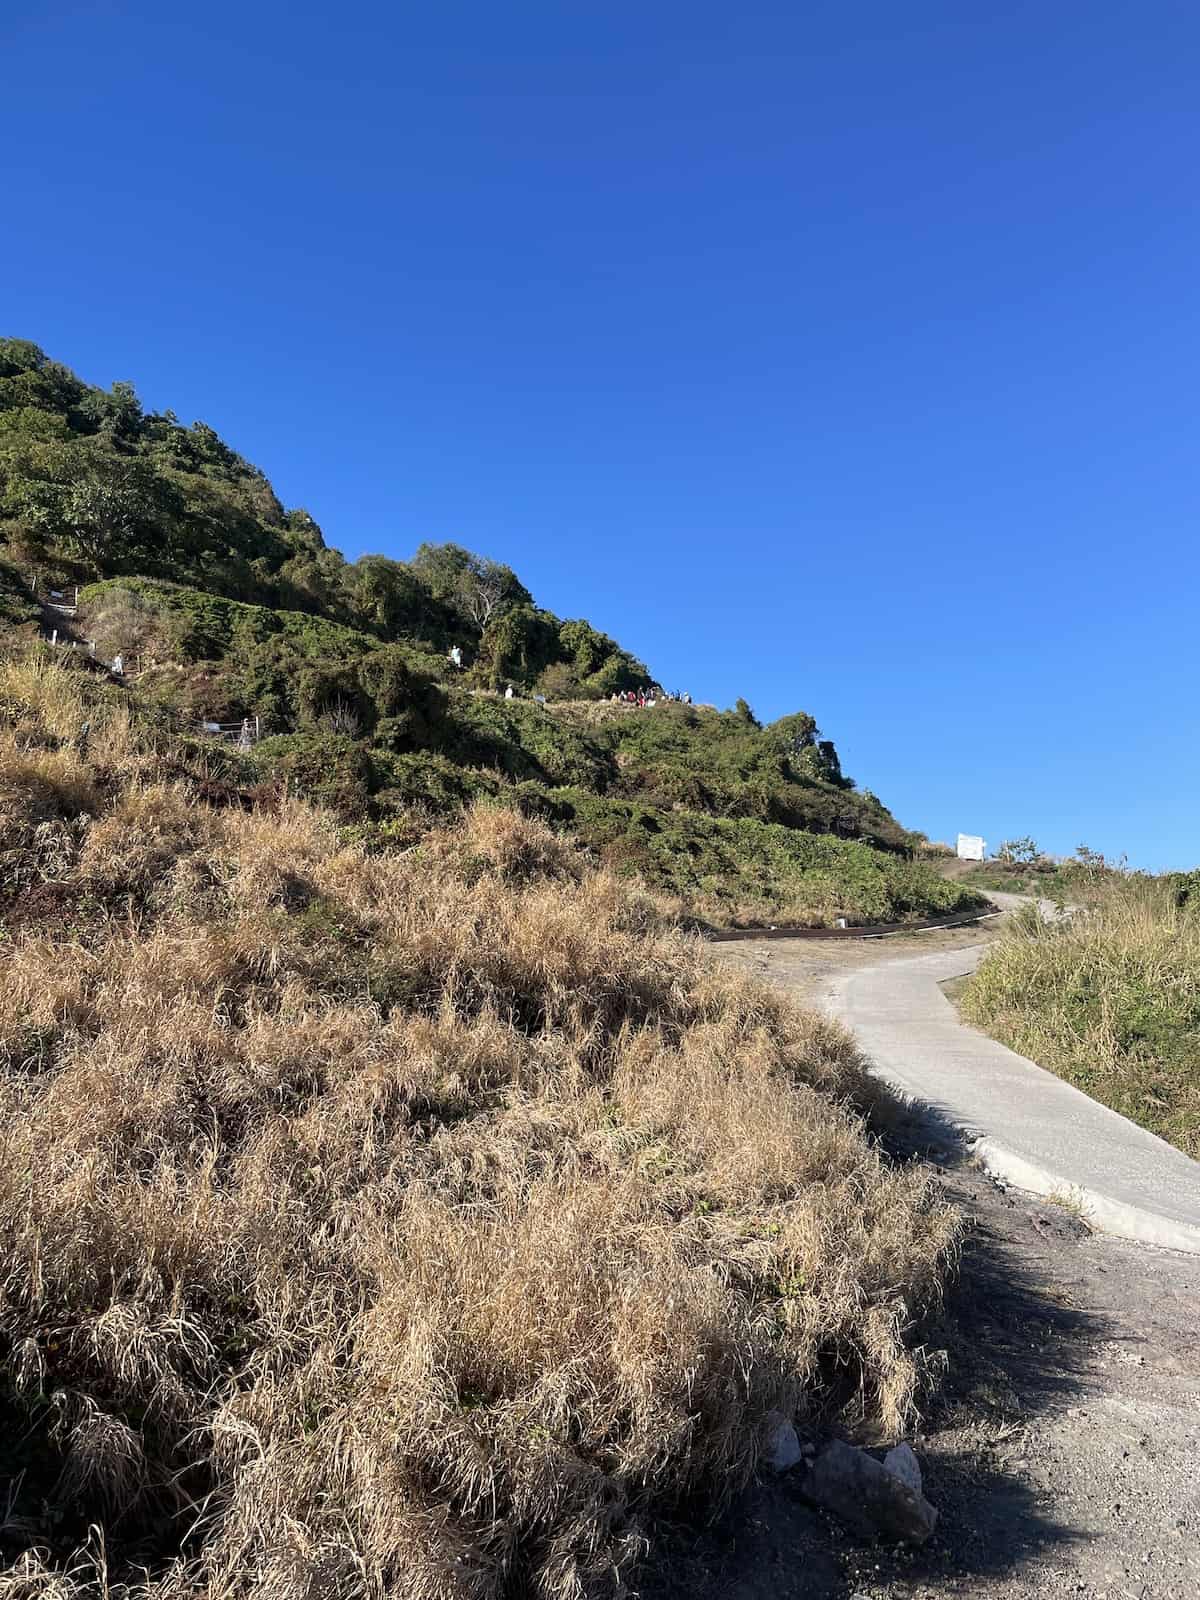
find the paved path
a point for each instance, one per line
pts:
(1027, 1126)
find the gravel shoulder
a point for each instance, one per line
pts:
(1062, 1444)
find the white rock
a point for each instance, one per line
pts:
(781, 1446)
(866, 1496)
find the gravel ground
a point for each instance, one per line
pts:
(1063, 1447)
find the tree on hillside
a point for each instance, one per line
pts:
(482, 593)
(586, 647)
(387, 594)
(518, 644)
(90, 505)
(478, 588)
(29, 378)
(1022, 852)
(794, 734)
(312, 581)
(116, 414)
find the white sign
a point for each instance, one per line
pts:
(970, 847)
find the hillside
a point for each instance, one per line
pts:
(425, 1222)
(223, 605)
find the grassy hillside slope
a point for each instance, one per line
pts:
(418, 1222)
(223, 605)
(1110, 1000)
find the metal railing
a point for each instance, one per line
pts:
(245, 733)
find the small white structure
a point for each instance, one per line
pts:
(970, 847)
(245, 734)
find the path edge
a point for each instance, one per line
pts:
(1115, 1217)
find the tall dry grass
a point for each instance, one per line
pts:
(415, 1225)
(1108, 998)
(594, 713)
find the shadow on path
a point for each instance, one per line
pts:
(1016, 1349)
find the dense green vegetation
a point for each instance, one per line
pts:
(1108, 998)
(743, 870)
(224, 605)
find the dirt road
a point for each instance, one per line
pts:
(1063, 1447)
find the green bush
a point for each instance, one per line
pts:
(328, 768)
(519, 740)
(208, 626)
(428, 783)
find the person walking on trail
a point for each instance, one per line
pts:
(245, 737)
(456, 655)
(118, 666)
(508, 693)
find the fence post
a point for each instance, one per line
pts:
(54, 637)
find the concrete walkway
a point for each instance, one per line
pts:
(1028, 1127)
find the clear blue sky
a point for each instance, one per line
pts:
(843, 357)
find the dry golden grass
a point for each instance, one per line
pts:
(414, 1225)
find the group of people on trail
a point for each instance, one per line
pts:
(647, 697)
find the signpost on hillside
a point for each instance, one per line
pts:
(970, 847)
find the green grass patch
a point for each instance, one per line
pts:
(1109, 1000)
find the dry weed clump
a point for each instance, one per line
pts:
(407, 1225)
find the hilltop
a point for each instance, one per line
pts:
(223, 605)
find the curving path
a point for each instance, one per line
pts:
(1026, 1126)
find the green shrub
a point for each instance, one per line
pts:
(429, 783)
(208, 626)
(326, 767)
(519, 740)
